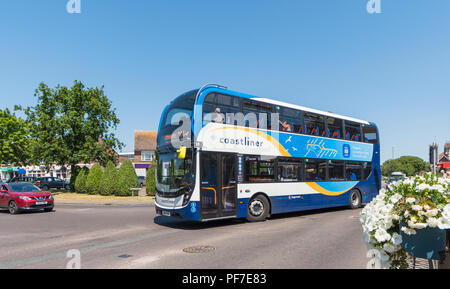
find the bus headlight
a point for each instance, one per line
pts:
(187, 195)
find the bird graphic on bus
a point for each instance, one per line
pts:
(319, 150)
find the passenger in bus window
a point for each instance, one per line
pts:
(218, 116)
(285, 126)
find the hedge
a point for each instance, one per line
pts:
(127, 179)
(93, 179)
(108, 183)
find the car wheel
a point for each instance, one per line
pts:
(67, 187)
(45, 188)
(258, 209)
(13, 208)
(355, 199)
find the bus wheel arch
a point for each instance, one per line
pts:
(355, 198)
(259, 207)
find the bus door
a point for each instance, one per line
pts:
(218, 190)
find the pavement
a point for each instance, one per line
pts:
(131, 236)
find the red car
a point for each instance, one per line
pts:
(18, 197)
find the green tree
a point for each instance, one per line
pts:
(127, 179)
(80, 182)
(408, 165)
(93, 179)
(150, 181)
(108, 184)
(14, 139)
(73, 125)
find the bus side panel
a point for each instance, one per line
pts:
(293, 203)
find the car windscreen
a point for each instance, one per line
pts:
(20, 187)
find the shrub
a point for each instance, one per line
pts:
(127, 179)
(80, 182)
(150, 180)
(108, 183)
(93, 179)
(74, 172)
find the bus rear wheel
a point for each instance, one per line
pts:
(258, 209)
(355, 199)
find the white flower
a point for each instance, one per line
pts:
(410, 200)
(438, 188)
(423, 187)
(408, 231)
(443, 223)
(409, 181)
(432, 222)
(373, 253)
(382, 236)
(432, 213)
(390, 248)
(417, 225)
(416, 207)
(397, 239)
(395, 198)
(374, 263)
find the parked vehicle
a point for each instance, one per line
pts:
(22, 179)
(396, 176)
(47, 183)
(141, 181)
(17, 197)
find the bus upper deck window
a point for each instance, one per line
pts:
(370, 134)
(352, 131)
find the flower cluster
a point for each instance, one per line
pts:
(406, 206)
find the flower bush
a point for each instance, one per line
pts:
(407, 206)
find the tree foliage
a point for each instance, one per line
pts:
(73, 125)
(14, 139)
(93, 179)
(108, 184)
(127, 179)
(80, 182)
(150, 181)
(408, 165)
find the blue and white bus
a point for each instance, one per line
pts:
(224, 154)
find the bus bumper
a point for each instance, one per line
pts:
(190, 212)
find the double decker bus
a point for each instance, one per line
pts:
(224, 154)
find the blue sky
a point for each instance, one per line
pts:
(391, 68)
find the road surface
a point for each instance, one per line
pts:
(132, 236)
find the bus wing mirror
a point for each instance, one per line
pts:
(181, 152)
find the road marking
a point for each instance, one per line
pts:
(62, 254)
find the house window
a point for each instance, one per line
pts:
(147, 156)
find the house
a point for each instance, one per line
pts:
(144, 150)
(444, 159)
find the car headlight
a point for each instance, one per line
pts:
(25, 198)
(50, 197)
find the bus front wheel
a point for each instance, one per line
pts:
(355, 199)
(258, 209)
